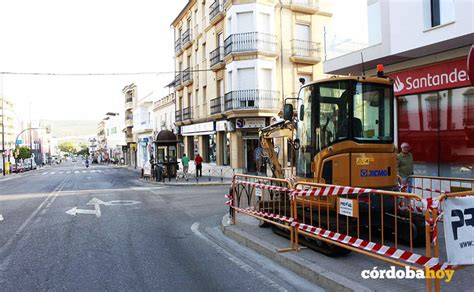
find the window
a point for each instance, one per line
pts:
(438, 12)
(204, 52)
(372, 113)
(305, 134)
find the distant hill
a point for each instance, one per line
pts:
(62, 129)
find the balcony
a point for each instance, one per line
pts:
(252, 99)
(128, 105)
(305, 52)
(177, 47)
(216, 105)
(304, 6)
(187, 38)
(216, 58)
(187, 113)
(177, 81)
(187, 77)
(216, 12)
(179, 116)
(250, 42)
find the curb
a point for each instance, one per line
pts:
(310, 271)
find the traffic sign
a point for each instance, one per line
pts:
(18, 142)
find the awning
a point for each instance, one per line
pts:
(199, 133)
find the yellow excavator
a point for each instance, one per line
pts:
(343, 134)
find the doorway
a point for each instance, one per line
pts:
(250, 146)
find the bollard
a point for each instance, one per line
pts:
(222, 179)
(209, 174)
(197, 179)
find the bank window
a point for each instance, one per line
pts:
(469, 107)
(438, 12)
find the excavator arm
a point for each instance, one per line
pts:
(277, 130)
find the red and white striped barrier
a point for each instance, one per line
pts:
(264, 186)
(330, 191)
(373, 247)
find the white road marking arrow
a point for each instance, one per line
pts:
(75, 211)
(95, 201)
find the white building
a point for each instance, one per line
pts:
(115, 138)
(164, 112)
(143, 128)
(424, 47)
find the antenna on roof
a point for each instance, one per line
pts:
(363, 67)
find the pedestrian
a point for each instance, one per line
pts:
(198, 162)
(405, 164)
(185, 162)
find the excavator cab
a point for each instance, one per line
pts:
(345, 132)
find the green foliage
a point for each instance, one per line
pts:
(22, 152)
(68, 147)
(84, 150)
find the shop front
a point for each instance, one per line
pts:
(222, 146)
(200, 138)
(144, 150)
(436, 117)
(248, 142)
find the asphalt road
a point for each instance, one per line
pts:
(69, 227)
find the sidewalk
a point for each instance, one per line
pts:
(205, 180)
(341, 273)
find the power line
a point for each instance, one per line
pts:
(100, 74)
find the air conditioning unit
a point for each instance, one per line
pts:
(163, 123)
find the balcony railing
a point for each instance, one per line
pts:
(250, 41)
(187, 36)
(216, 105)
(305, 49)
(177, 80)
(186, 113)
(215, 9)
(177, 45)
(179, 116)
(216, 56)
(251, 99)
(187, 76)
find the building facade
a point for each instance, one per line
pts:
(130, 155)
(143, 129)
(424, 46)
(8, 130)
(236, 62)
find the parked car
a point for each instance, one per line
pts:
(17, 167)
(30, 164)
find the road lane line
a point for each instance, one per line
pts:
(25, 223)
(267, 281)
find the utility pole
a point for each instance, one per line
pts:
(3, 128)
(31, 141)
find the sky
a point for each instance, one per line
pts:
(87, 36)
(100, 36)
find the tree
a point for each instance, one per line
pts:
(67, 147)
(84, 150)
(22, 152)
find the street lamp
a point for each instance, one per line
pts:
(18, 136)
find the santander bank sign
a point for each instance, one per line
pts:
(440, 76)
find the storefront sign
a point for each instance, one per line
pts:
(245, 123)
(444, 75)
(223, 126)
(459, 230)
(196, 128)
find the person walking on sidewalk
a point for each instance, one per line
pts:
(198, 162)
(185, 162)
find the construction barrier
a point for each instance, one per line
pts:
(396, 227)
(431, 186)
(267, 199)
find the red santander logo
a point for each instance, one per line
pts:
(450, 74)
